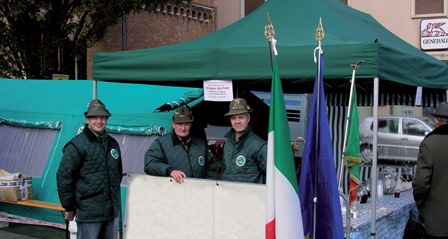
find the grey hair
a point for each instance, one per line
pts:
(442, 120)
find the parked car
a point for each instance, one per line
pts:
(399, 138)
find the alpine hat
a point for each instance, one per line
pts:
(96, 108)
(183, 114)
(441, 110)
(238, 106)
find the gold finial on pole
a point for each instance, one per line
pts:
(269, 31)
(320, 31)
(357, 65)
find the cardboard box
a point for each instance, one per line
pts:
(16, 190)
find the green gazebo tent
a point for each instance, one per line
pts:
(240, 52)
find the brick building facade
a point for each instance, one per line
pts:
(166, 25)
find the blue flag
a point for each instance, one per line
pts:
(318, 153)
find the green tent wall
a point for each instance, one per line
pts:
(131, 106)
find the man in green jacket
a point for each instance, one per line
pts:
(180, 154)
(244, 153)
(89, 177)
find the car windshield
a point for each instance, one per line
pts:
(414, 127)
(429, 121)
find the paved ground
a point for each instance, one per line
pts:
(24, 231)
(10, 235)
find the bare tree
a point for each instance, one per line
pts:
(41, 37)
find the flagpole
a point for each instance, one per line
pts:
(322, 217)
(344, 151)
(319, 36)
(344, 145)
(270, 227)
(283, 206)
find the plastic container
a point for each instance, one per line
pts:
(73, 229)
(380, 189)
(389, 178)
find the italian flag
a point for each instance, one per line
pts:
(283, 213)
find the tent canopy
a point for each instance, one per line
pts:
(241, 52)
(131, 105)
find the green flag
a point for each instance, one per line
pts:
(352, 153)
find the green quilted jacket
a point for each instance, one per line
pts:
(167, 153)
(244, 160)
(89, 177)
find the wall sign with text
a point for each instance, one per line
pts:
(434, 34)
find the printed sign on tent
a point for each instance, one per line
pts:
(218, 90)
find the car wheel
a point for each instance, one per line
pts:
(366, 154)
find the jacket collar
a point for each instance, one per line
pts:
(176, 139)
(441, 130)
(90, 135)
(231, 134)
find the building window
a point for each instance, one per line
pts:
(429, 8)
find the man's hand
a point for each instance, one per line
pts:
(69, 216)
(178, 176)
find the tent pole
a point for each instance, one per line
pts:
(76, 68)
(94, 89)
(375, 157)
(446, 95)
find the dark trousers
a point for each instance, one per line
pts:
(433, 237)
(97, 230)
